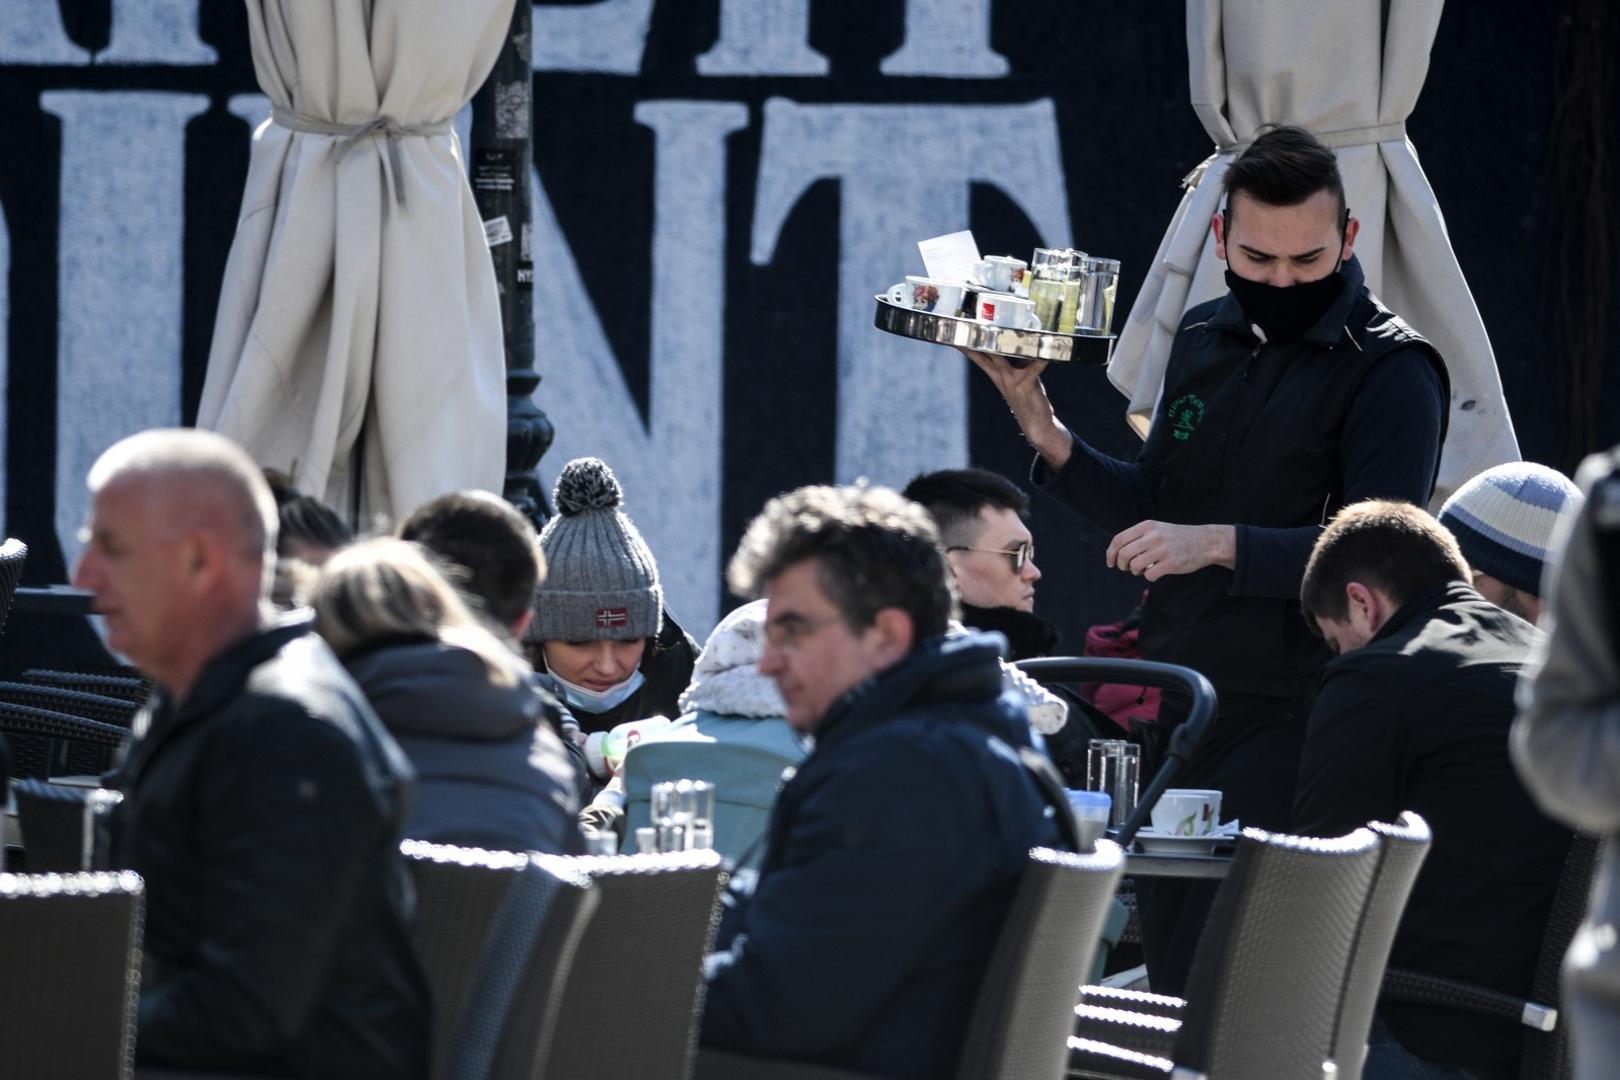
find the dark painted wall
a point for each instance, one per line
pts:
(1115, 78)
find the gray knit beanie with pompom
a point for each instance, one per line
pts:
(601, 581)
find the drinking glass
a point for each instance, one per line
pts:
(668, 817)
(683, 814)
(1049, 268)
(1099, 281)
(699, 796)
(1069, 293)
(1113, 766)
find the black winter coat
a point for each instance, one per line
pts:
(893, 855)
(1418, 719)
(265, 813)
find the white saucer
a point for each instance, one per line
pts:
(1155, 843)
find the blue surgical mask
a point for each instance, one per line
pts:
(599, 701)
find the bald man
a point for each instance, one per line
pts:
(263, 802)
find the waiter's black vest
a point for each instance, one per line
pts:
(1254, 433)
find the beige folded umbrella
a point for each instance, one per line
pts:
(1349, 72)
(358, 338)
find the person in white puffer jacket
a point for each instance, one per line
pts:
(731, 733)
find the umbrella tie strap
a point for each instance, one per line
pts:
(351, 135)
(1337, 140)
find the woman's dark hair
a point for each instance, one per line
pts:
(1284, 166)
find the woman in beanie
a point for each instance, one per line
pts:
(599, 625)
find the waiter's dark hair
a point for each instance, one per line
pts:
(1284, 166)
(1392, 546)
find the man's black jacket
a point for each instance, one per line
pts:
(264, 812)
(894, 853)
(1418, 719)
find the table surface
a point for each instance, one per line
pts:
(1137, 864)
(51, 600)
(1177, 866)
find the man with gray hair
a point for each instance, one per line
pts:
(263, 802)
(893, 852)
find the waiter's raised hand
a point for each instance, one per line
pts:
(1154, 549)
(1021, 388)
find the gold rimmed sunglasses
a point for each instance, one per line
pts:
(1021, 556)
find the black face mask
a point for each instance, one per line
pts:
(1285, 312)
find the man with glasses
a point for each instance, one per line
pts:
(895, 848)
(980, 516)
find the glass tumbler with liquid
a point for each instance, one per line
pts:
(1113, 766)
(1049, 268)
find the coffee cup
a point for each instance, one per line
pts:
(1004, 309)
(928, 294)
(1187, 812)
(999, 273)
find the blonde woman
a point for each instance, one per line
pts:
(490, 771)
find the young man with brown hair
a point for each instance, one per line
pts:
(1413, 714)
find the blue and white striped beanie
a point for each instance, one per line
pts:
(1505, 518)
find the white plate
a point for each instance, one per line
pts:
(1154, 843)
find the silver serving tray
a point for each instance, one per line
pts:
(983, 337)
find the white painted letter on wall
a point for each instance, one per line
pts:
(669, 465)
(120, 277)
(904, 172)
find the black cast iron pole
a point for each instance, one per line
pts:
(502, 156)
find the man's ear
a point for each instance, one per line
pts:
(201, 559)
(1218, 223)
(1351, 228)
(1368, 607)
(522, 623)
(895, 634)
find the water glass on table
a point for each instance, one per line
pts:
(683, 815)
(1113, 767)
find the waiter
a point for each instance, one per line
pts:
(1293, 395)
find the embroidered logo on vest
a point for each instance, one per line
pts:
(1186, 412)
